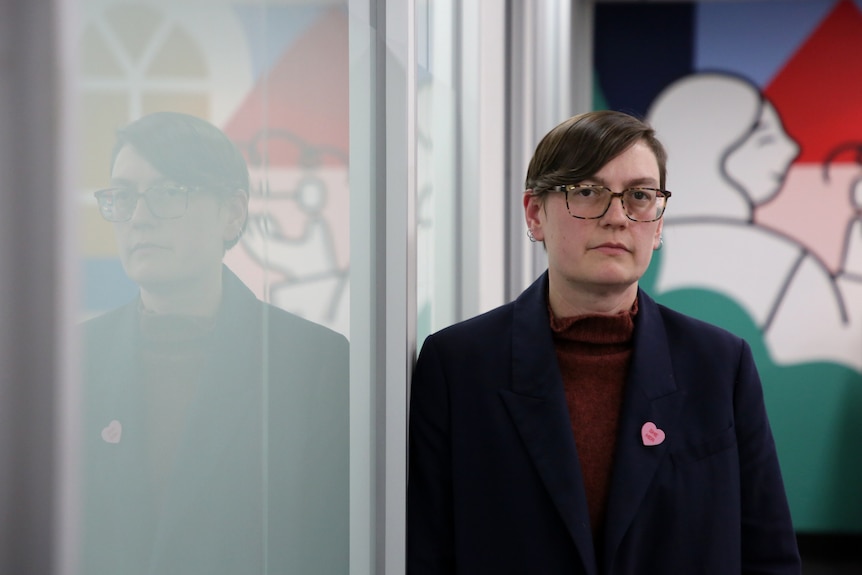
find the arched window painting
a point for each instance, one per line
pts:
(274, 79)
(760, 107)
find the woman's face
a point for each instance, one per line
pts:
(606, 254)
(759, 164)
(165, 254)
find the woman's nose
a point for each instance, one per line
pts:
(141, 211)
(616, 212)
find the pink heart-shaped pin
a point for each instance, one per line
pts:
(113, 432)
(651, 434)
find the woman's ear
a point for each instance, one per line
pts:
(533, 214)
(657, 239)
(236, 213)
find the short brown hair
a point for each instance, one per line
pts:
(579, 147)
(189, 151)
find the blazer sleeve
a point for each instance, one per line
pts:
(430, 522)
(768, 538)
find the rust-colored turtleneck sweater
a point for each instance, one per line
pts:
(593, 352)
(172, 354)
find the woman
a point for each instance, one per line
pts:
(583, 428)
(215, 425)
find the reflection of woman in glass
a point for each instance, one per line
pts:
(215, 425)
(730, 153)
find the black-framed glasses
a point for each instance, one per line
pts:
(590, 201)
(165, 201)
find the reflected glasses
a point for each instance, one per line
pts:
(165, 201)
(590, 202)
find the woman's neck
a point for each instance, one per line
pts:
(604, 301)
(200, 297)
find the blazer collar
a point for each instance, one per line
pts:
(537, 406)
(538, 409)
(651, 396)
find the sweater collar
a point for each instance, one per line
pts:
(595, 328)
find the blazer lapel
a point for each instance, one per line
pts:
(537, 406)
(651, 396)
(117, 524)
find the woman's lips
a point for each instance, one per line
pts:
(611, 248)
(146, 247)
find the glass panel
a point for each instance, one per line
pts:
(462, 195)
(364, 337)
(215, 309)
(437, 152)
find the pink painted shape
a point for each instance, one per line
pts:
(814, 212)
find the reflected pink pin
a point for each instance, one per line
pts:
(113, 432)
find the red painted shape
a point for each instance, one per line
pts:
(819, 90)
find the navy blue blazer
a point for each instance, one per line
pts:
(494, 478)
(260, 480)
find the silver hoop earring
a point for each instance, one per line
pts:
(530, 235)
(660, 243)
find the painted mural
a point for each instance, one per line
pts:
(274, 77)
(760, 108)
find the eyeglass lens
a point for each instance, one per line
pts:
(640, 204)
(164, 201)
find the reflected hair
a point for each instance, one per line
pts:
(581, 146)
(188, 151)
